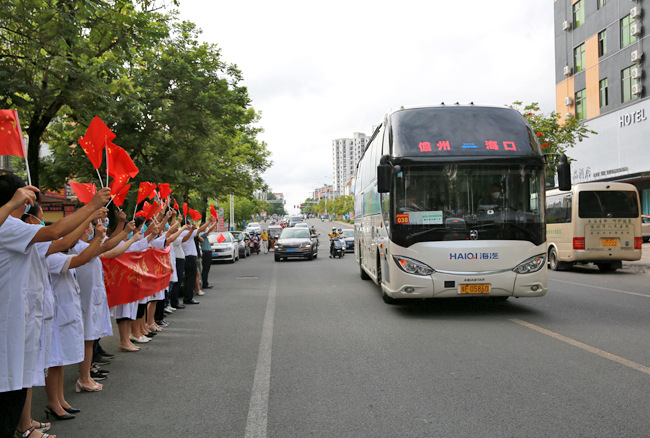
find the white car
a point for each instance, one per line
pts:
(224, 246)
(645, 227)
(302, 225)
(254, 227)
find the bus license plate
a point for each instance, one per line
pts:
(475, 288)
(609, 242)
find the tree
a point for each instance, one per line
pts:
(184, 120)
(554, 134)
(60, 54)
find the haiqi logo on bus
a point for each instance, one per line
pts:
(473, 256)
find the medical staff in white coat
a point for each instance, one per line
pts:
(22, 276)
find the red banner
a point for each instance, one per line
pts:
(136, 275)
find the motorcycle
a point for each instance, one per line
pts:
(255, 246)
(337, 248)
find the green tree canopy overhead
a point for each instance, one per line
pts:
(61, 53)
(174, 104)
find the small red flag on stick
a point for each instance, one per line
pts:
(11, 139)
(84, 191)
(144, 191)
(164, 190)
(119, 197)
(119, 162)
(196, 216)
(213, 211)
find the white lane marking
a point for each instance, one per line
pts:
(594, 350)
(258, 409)
(603, 288)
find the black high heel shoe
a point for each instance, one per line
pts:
(72, 410)
(49, 412)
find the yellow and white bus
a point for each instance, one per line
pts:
(597, 222)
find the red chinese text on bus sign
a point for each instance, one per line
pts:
(443, 146)
(425, 146)
(509, 146)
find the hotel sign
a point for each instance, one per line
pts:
(637, 116)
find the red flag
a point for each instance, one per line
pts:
(119, 162)
(119, 182)
(221, 239)
(153, 208)
(153, 194)
(145, 189)
(185, 209)
(119, 197)
(141, 213)
(84, 191)
(213, 211)
(135, 275)
(11, 139)
(176, 205)
(196, 216)
(165, 191)
(97, 136)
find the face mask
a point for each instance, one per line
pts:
(91, 235)
(144, 228)
(166, 227)
(106, 223)
(42, 222)
(27, 208)
(130, 235)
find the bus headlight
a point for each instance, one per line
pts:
(533, 264)
(411, 266)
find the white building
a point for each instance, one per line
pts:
(346, 153)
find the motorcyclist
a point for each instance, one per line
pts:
(333, 235)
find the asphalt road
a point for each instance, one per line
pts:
(307, 349)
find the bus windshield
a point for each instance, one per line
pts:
(467, 202)
(607, 204)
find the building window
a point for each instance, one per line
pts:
(626, 84)
(603, 93)
(581, 104)
(579, 58)
(600, 3)
(578, 14)
(602, 43)
(626, 33)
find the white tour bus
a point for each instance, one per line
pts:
(596, 222)
(449, 202)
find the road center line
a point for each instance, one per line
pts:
(603, 288)
(573, 342)
(258, 409)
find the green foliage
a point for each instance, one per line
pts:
(177, 108)
(554, 134)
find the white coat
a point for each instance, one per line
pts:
(22, 283)
(45, 343)
(69, 318)
(94, 304)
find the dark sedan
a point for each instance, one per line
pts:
(296, 242)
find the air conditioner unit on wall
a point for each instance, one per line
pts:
(636, 73)
(635, 12)
(568, 101)
(637, 89)
(567, 70)
(636, 55)
(566, 25)
(636, 28)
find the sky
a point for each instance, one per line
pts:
(318, 71)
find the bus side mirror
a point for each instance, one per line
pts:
(384, 172)
(564, 174)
